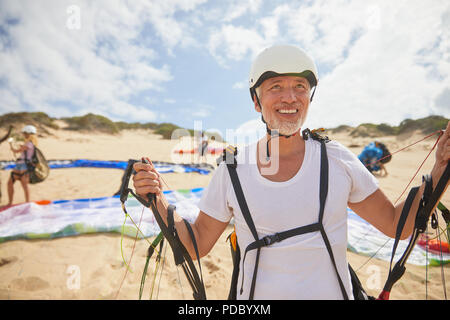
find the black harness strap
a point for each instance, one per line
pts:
(241, 200)
(280, 236)
(323, 197)
(248, 219)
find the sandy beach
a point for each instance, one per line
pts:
(44, 269)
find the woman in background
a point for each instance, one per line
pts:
(21, 172)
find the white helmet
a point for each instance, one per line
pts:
(282, 60)
(29, 129)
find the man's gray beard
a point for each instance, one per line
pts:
(286, 128)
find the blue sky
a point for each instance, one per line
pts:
(187, 61)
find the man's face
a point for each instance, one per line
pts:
(285, 102)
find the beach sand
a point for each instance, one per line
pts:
(91, 266)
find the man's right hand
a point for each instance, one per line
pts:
(147, 179)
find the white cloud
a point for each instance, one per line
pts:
(201, 113)
(8, 101)
(240, 85)
(233, 43)
(390, 72)
(96, 67)
(236, 42)
(377, 61)
(326, 29)
(194, 111)
(171, 30)
(169, 101)
(239, 8)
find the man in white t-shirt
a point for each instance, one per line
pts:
(280, 176)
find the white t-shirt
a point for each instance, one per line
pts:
(298, 267)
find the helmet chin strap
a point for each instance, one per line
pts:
(274, 134)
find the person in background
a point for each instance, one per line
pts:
(202, 146)
(20, 172)
(371, 156)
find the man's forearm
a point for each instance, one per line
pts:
(162, 205)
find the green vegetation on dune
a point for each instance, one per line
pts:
(17, 119)
(424, 125)
(91, 122)
(38, 119)
(97, 123)
(87, 123)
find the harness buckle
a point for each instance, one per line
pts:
(269, 240)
